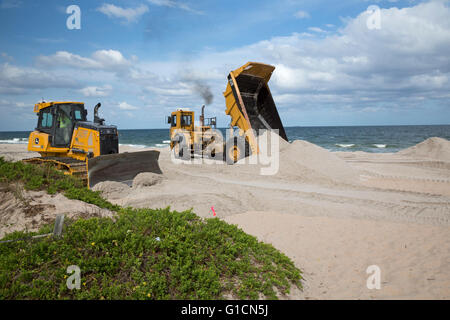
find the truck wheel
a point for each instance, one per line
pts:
(236, 149)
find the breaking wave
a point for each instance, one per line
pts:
(15, 141)
(345, 145)
(138, 146)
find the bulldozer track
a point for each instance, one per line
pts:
(67, 165)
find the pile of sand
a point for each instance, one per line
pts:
(301, 161)
(433, 148)
(29, 210)
(310, 163)
(112, 189)
(147, 179)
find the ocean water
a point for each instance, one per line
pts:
(363, 138)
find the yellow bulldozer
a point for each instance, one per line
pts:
(87, 149)
(251, 107)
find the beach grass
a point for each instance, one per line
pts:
(139, 254)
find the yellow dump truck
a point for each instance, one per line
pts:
(251, 107)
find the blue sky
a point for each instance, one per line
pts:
(142, 59)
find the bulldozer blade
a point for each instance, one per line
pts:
(122, 167)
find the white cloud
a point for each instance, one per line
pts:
(170, 91)
(175, 4)
(316, 29)
(16, 80)
(96, 91)
(14, 104)
(111, 60)
(301, 14)
(126, 106)
(128, 14)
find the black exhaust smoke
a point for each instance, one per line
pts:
(204, 91)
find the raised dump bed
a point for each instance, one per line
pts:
(249, 101)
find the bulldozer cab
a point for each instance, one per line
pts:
(58, 120)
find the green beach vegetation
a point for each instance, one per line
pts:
(138, 254)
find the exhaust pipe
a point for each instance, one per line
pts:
(202, 117)
(97, 119)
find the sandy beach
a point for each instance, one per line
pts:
(333, 214)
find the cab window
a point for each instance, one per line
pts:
(46, 119)
(78, 115)
(64, 125)
(174, 121)
(186, 120)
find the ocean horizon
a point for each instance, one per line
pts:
(388, 138)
